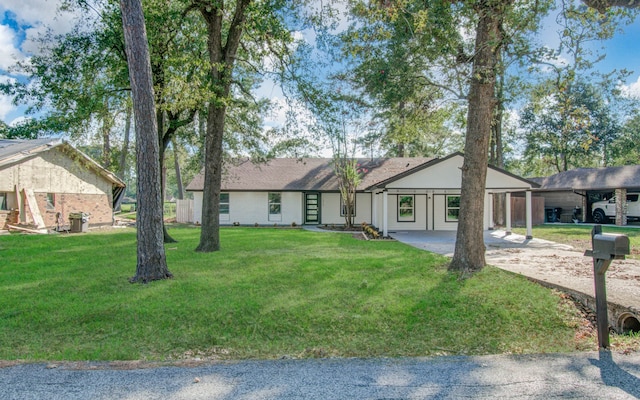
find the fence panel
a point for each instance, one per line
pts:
(184, 211)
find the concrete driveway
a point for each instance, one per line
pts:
(443, 242)
(553, 264)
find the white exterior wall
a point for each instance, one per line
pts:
(249, 208)
(448, 175)
(330, 212)
(440, 213)
(419, 209)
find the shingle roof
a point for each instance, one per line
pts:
(12, 147)
(296, 174)
(15, 150)
(604, 178)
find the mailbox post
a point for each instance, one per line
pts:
(605, 247)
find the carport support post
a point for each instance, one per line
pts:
(491, 221)
(621, 207)
(507, 211)
(385, 219)
(528, 214)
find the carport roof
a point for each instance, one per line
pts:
(605, 178)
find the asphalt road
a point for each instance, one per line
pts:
(575, 376)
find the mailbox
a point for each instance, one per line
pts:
(606, 247)
(609, 246)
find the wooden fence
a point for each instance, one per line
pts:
(184, 211)
(519, 211)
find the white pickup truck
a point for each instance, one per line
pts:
(603, 211)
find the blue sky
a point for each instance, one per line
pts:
(23, 20)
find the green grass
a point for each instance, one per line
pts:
(579, 236)
(267, 294)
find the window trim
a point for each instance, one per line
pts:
(411, 218)
(228, 203)
(4, 201)
(274, 216)
(447, 208)
(50, 201)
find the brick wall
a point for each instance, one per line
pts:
(98, 206)
(8, 217)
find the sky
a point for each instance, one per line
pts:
(21, 21)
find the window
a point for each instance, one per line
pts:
(405, 209)
(453, 209)
(343, 207)
(3, 201)
(51, 201)
(224, 203)
(275, 206)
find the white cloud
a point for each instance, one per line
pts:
(34, 17)
(632, 90)
(6, 107)
(8, 52)
(18, 120)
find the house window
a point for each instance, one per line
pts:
(343, 207)
(275, 206)
(406, 209)
(453, 209)
(3, 201)
(51, 201)
(224, 203)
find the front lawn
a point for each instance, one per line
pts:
(579, 236)
(269, 293)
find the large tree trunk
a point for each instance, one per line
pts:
(125, 145)
(497, 151)
(470, 250)
(210, 233)
(106, 141)
(176, 164)
(163, 184)
(221, 60)
(152, 262)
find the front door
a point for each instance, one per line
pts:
(312, 208)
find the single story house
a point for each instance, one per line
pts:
(395, 193)
(581, 187)
(42, 181)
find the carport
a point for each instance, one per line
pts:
(582, 187)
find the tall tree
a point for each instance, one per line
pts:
(470, 249)
(570, 116)
(237, 31)
(404, 58)
(223, 41)
(152, 263)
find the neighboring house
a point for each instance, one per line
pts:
(42, 181)
(582, 187)
(395, 193)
